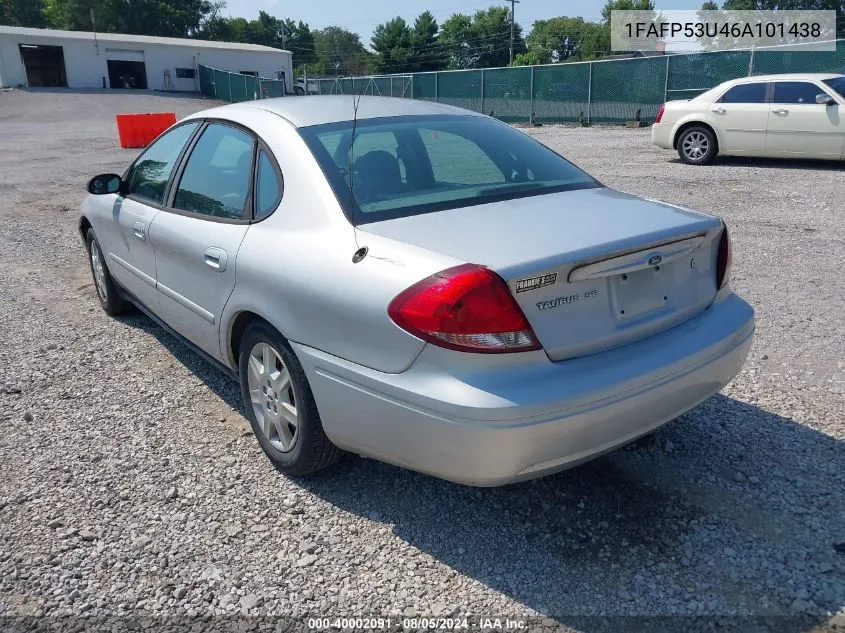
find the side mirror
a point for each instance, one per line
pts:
(824, 99)
(104, 183)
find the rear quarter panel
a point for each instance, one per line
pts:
(681, 113)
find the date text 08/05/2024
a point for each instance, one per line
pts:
(418, 623)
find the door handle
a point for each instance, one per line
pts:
(139, 230)
(719, 110)
(781, 111)
(215, 258)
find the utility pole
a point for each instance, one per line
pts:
(513, 19)
(94, 28)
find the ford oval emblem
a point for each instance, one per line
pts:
(655, 259)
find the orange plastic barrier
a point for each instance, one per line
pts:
(139, 130)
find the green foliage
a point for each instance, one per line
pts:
(340, 52)
(530, 58)
(480, 41)
(169, 18)
(625, 5)
(428, 54)
(590, 40)
(30, 13)
(393, 41)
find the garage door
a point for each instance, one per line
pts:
(124, 55)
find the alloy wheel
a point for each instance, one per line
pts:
(272, 397)
(99, 271)
(696, 145)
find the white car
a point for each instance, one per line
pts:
(313, 87)
(779, 116)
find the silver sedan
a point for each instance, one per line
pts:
(418, 284)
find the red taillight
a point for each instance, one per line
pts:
(660, 112)
(467, 308)
(723, 260)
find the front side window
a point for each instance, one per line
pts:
(147, 178)
(795, 92)
(745, 93)
(402, 166)
(838, 84)
(216, 178)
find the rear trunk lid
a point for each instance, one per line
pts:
(591, 269)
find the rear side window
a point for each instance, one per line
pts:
(795, 92)
(745, 93)
(216, 178)
(148, 177)
(268, 188)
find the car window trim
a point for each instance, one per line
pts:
(177, 177)
(280, 179)
(799, 81)
(189, 143)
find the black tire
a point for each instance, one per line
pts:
(311, 450)
(298, 91)
(105, 289)
(697, 146)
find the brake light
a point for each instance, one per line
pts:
(724, 260)
(660, 112)
(467, 308)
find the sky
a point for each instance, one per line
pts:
(363, 16)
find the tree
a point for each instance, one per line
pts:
(586, 40)
(456, 38)
(529, 58)
(492, 29)
(299, 40)
(480, 41)
(340, 52)
(625, 5)
(393, 42)
(428, 54)
(184, 18)
(795, 5)
(29, 13)
(721, 42)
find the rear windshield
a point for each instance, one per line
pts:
(838, 84)
(409, 165)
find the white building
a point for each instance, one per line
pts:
(76, 59)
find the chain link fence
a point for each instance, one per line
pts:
(235, 87)
(608, 91)
(378, 85)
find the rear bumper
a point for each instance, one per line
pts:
(661, 135)
(524, 421)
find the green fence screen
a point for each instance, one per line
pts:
(235, 87)
(611, 91)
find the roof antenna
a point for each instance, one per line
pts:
(361, 251)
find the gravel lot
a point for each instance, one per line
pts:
(131, 486)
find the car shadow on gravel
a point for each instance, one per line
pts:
(719, 516)
(772, 163)
(731, 515)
